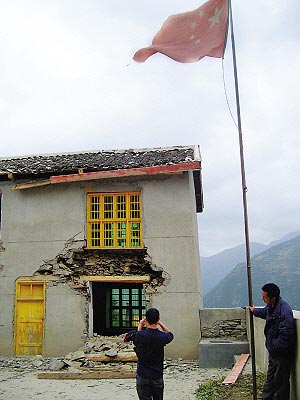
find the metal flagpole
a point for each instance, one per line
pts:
(244, 189)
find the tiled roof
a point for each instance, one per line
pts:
(68, 163)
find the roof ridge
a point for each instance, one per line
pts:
(116, 151)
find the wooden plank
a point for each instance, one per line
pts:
(115, 359)
(32, 184)
(122, 279)
(87, 375)
(236, 370)
(158, 169)
(10, 176)
(86, 176)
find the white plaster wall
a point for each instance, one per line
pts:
(59, 210)
(7, 299)
(28, 241)
(170, 234)
(65, 319)
(37, 222)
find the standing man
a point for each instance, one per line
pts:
(150, 345)
(280, 339)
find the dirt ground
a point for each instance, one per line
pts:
(20, 382)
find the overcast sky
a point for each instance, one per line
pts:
(68, 83)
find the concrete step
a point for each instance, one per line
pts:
(214, 353)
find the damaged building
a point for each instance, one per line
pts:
(90, 240)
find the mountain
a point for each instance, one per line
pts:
(279, 264)
(216, 267)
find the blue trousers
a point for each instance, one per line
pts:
(149, 389)
(277, 385)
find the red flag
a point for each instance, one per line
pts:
(192, 35)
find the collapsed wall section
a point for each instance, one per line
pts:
(74, 262)
(68, 291)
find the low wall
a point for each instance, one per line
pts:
(223, 335)
(221, 323)
(261, 354)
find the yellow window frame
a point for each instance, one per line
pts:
(114, 220)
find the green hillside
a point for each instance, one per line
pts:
(279, 264)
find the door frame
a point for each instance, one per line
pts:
(18, 300)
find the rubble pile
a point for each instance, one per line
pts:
(103, 352)
(28, 363)
(173, 368)
(110, 348)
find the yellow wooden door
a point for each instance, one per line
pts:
(29, 318)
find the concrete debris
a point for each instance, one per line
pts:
(111, 353)
(97, 347)
(111, 346)
(77, 355)
(27, 363)
(173, 368)
(57, 365)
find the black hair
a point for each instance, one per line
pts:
(152, 315)
(272, 290)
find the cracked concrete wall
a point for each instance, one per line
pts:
(73, 262)
(37, 223)
(171, 237)
(35, 227)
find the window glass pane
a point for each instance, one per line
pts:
(135, 235)
(108, 205)
(135, 206)
(125, 301)
(121, 234)
(125, 318)
(143, 299)
(108, 234)
(115, 299)
(135, 317)
(115, 318)
(95, 234)
(95, 207)
(135, 300)
(121, 206)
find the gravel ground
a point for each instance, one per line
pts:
(19, 381)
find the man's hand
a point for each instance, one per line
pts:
(251, 308)
(141, 324)
(163, 326)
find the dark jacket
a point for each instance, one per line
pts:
(279, 329)
(150, 345)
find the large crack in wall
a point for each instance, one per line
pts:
(75, 261)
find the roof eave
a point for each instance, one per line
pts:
(108, 174)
